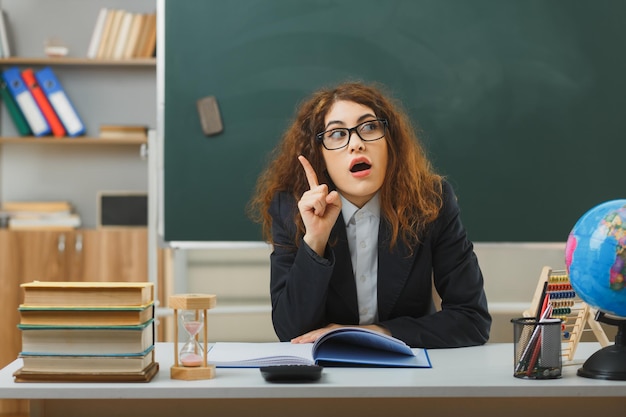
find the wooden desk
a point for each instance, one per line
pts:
(467, 381)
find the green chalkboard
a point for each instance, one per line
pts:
(520, 103)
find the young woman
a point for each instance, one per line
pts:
(362, 227)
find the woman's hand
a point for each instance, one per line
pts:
(319, 210)
(313, 335)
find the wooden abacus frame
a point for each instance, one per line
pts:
(567, 306)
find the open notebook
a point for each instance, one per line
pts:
(346, 346)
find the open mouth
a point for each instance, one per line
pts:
(361, 166)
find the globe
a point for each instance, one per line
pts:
(595, 257)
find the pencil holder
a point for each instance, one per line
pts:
(537, 348)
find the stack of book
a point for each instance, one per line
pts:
(38, 104)
(50, 215)
(120, 34)
(87, 331)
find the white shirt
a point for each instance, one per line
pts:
(362, 230)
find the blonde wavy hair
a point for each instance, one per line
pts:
(410, 196)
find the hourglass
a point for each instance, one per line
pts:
(191, 352)
(190, 311)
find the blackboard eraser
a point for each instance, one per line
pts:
(210, 118)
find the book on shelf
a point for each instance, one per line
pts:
(123, 131)
(26, 102)
(112, 35)
(133, 36)
(86, 340)
(104, 364)
(145, 375)
(106, 33)
(96, 35)
(21, 125)
(5, 49)
(86, 316)
(346, 346)
(143, 35)
(57, 206)
(122, 36)
(42, 101)
(150, 47)
(147, 38)
(112, 367)
(87, 294)
(51, 221)
(60, 101)
(40, 215)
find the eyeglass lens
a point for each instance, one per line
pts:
(368, 131)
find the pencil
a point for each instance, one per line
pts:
(541, 305)
(546, 310)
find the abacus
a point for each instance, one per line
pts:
(576, 315)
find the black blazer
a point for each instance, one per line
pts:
(309, 292)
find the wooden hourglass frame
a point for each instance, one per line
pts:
(195, 302)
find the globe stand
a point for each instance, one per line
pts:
(610, 361)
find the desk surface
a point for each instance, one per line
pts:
(478, 372)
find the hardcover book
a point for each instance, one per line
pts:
(5, 49)
(96, 35)
(105, 37)
(112, 33)
(145, 375)
(104, 364)
(82, 316)
(45, 221)
(37, 206)
(346, 346)
(133, 36)
(86, 340)
(87, 294)
(148, 39)
(122, 36)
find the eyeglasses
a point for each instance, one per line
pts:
(338, 138)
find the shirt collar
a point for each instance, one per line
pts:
(348, 210)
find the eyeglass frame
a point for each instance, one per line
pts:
(320, 136)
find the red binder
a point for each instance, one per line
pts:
(56, 126)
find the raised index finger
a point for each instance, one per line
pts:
(311, 176)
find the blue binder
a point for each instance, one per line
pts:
(59, 100)
(26, 102)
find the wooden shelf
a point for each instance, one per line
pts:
(136, 62)
(71, 61)
(83, 140)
